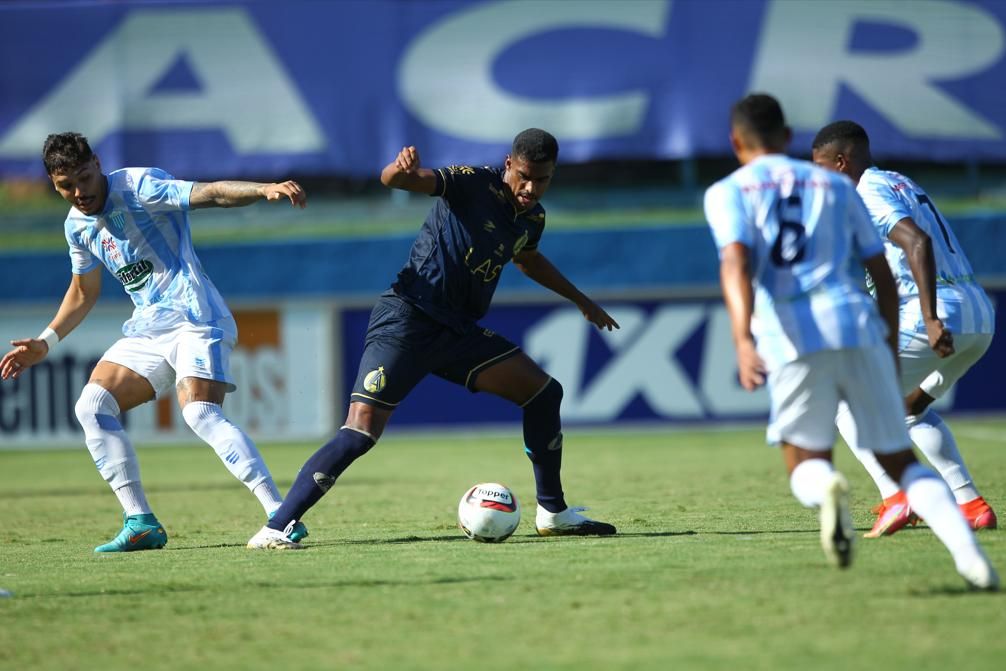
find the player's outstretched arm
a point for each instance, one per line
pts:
(738, 294)
(536, 266)
(80, 297)
(406, 174)
(918, 248)
(238, 194)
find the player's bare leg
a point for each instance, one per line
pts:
(112, 390)
(520, 380)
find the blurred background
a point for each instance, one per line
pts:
(637, 92)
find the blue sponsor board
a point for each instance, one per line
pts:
(671, 361)
(628, 261)
(252, 89)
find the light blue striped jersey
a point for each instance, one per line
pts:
(807, 232)
(142, 236)
(961, 303)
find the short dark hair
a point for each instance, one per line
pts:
(64, 152)
(760, 116)
(842, 131)
(536, 146)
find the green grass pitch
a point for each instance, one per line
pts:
(716, 566)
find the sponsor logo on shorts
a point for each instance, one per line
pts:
(134, 275)
(375, 380)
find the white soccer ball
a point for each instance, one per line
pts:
(488, 513)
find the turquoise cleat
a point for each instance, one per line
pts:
(139, 532)
(297, 533)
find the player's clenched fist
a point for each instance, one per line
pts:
(407, 159)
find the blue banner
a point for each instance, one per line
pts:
(629, 261)
(209, 89)
(670, 361)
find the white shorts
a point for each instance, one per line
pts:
(188, 350)
(920, 367)
(806, 394)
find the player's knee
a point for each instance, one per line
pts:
(550, 397)
(367, 419)
(201, 415)
(97, 408)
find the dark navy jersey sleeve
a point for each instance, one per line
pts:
(458, 183)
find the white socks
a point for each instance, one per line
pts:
(930, 497)
(934, 439)
(809, 479)
(847, 427)
(235, 449)
(113, 454)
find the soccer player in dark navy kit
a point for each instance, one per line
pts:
(427, 323)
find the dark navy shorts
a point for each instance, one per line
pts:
(404, 344)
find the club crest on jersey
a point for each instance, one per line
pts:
(375, 380)
(461, 169)
(519, 245)
(134, 275)
(116, 220)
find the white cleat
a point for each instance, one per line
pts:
(270, 539)
(980, 574)
(569, 522)
(837, 535)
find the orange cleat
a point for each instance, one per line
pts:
(979, 514)
(893, 515)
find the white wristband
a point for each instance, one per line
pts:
(50, 337)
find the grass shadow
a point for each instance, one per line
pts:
(278, 585)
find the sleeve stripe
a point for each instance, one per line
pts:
(443, 182)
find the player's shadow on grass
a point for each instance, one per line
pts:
(952, 590)
(452, 538)
(99, 489)
(336, 542)
(314, 585)
(759, 532)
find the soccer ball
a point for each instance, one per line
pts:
(488, 513)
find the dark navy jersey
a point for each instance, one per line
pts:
(469, 235)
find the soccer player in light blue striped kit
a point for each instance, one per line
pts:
(135, 222)
(789, 234)
(946, 319)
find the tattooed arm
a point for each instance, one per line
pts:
(238, 194)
